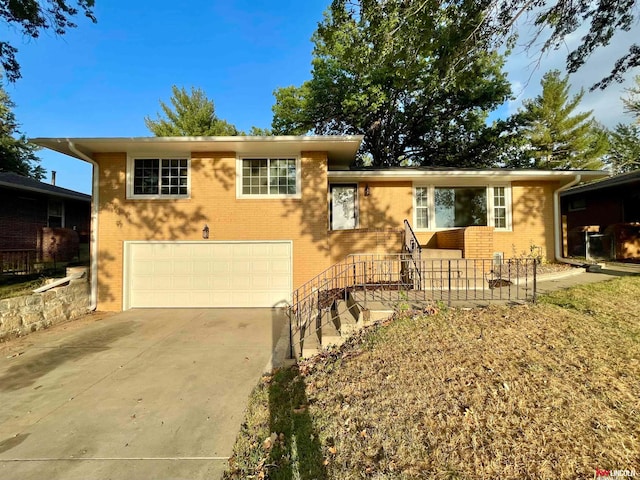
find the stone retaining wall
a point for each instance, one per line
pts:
(22, 315)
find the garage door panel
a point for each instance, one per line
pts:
(261, 266)
(241, 267)
(280, 283)
(281, 266)
(280, 250)
(208, 274)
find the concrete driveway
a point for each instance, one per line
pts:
(154, 394)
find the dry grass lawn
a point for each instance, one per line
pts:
(544, 391)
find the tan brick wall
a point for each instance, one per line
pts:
(387, 205)
(381, 217)
(450, 239)
(213, 202)
(532, 211)
(478, 242)
(345, 242)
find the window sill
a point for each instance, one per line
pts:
(157, 198)
(297, 196)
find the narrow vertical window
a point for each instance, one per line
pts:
(422, 207)
(499, 207)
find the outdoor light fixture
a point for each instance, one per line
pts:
(367, 190)
(205, 231)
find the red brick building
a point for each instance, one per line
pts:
(42, 218)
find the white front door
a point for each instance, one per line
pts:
(344, 211)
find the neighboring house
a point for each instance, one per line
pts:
(242, 221)
(608, 212)
(41, 220)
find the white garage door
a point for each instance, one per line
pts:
(207, 274)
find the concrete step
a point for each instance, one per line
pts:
(346, 316)
(310, 345)
(378, 314)
(329, 333)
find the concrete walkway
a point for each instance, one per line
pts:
(153, 394)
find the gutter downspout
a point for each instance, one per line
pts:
(558, 224)
(94, 224)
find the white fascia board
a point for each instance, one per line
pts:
(341, 146)
(498, 175)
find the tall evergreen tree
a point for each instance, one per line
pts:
(632, 101)
(191, 114)
(404, 79)
(624, 153)
(16, 153)
(559, 137)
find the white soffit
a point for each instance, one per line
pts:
(342, 148)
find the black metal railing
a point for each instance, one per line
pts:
(17, 262)
(413, 248)
(387, 278)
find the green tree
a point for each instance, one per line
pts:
(16, 153)
(259, 132)
(193, 114)
(404, 81)
(558, 137)
(624, 152)
(632, 101)
(30, 17)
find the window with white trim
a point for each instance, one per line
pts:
(422, 207)
(269, 177)
(499, 207)
(159, 177)
(442, 207)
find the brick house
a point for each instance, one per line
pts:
(607, 211)
(243, 221)
(42, 219)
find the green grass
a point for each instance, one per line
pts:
(533, 391)
(18, 285)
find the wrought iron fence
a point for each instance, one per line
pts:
(17, 261)
(402, 277)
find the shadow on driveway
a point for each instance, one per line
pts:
(25, 374)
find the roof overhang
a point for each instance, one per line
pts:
(61, 193)
(617, 181)
(470, 175)
(340, 149)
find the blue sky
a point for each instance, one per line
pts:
(103, 79)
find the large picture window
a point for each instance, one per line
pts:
(269, 177)
(442, 207)
(160, 177)
(460, 206)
